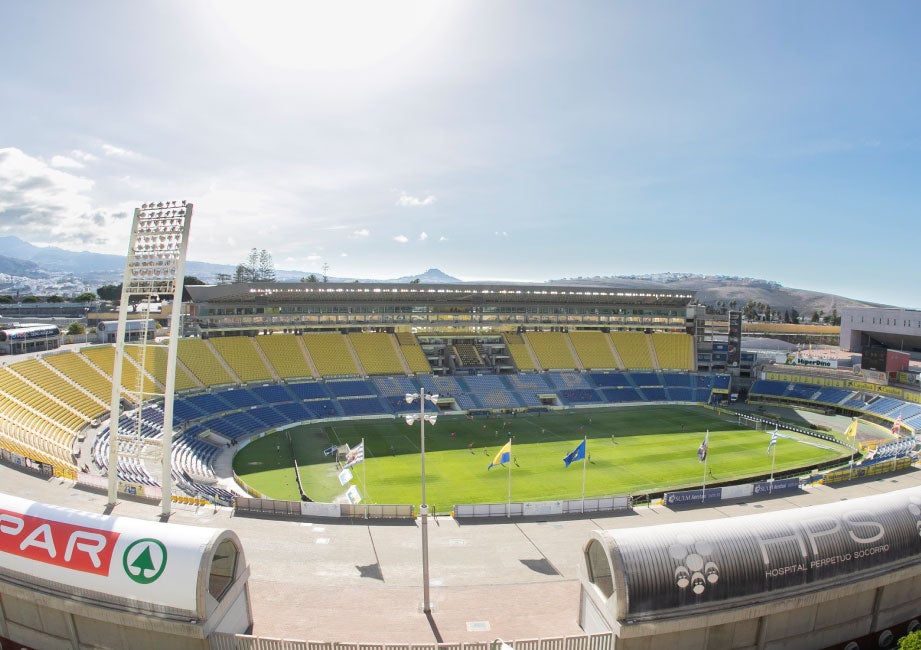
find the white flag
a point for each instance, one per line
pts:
(773, 441)
(355, 455)
(345, 476)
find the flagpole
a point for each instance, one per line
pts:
(508, 505)
(584, 465)
(773, 458)
(364, 478)
(703, 492)
(850, 471)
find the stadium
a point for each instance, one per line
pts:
(822, 555)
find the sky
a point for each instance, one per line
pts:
(516, 140)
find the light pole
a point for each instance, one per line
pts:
(423, 507)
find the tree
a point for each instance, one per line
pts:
(310, 278)
(30, 299)
(54, 299)
(86, 296)
(266, 270)
(76, 328)
(910, 641)
(110, 292)
(241, 274)
(258, 267)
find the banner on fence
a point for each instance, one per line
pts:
(693, 496)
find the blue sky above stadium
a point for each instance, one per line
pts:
(493, 140)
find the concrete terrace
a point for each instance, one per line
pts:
(348, 581)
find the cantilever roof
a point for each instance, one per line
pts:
(444, 293)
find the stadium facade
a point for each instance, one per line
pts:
(255, 308)
(257, 363)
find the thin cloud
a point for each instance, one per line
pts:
(401, 239)
(409, 201)
(423, 236)
(83, 156)
(362, 232)
(65, 162)
(119, 152)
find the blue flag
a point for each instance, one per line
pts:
(576, 454)
(504, 455)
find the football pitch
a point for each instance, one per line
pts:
(630, 450)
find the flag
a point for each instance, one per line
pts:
(773, 441)
(576, 454)
(851, 433)
(702, 450)
(504, 455)
(353, 495)
(345, 476)
(355, 455)
(897, 426)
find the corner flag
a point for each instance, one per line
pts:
(702, 450)
(504, 455)
(576, 454)
(773, 440)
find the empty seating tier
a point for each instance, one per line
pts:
(330, 353)
(241, 355)
(633, 348)
(376, 352)
(200, 360)
(285, 353)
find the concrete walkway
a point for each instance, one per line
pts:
(349, 581)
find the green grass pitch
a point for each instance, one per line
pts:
(631, 450)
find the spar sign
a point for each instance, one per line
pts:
(79, 548)
(118, 556)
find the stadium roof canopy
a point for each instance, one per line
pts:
(324, 292)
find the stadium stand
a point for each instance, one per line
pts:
(76, 368)
(286, 354)
(413, 353)
(674, 351)
(241, 355)
(594, 350)
(377, 353)
(520, 352)
(134, 379)
(633, 349)
(331, 355)
(201, 362)
(153, 360)
(553, 350)
(57, 386)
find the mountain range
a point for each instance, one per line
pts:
(45, 270)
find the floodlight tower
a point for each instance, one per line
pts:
(155, 266)
(422, 418)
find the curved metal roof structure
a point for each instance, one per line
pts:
(682, 568)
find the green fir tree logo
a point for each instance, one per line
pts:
(144, 560)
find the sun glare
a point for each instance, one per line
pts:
(327, 36)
